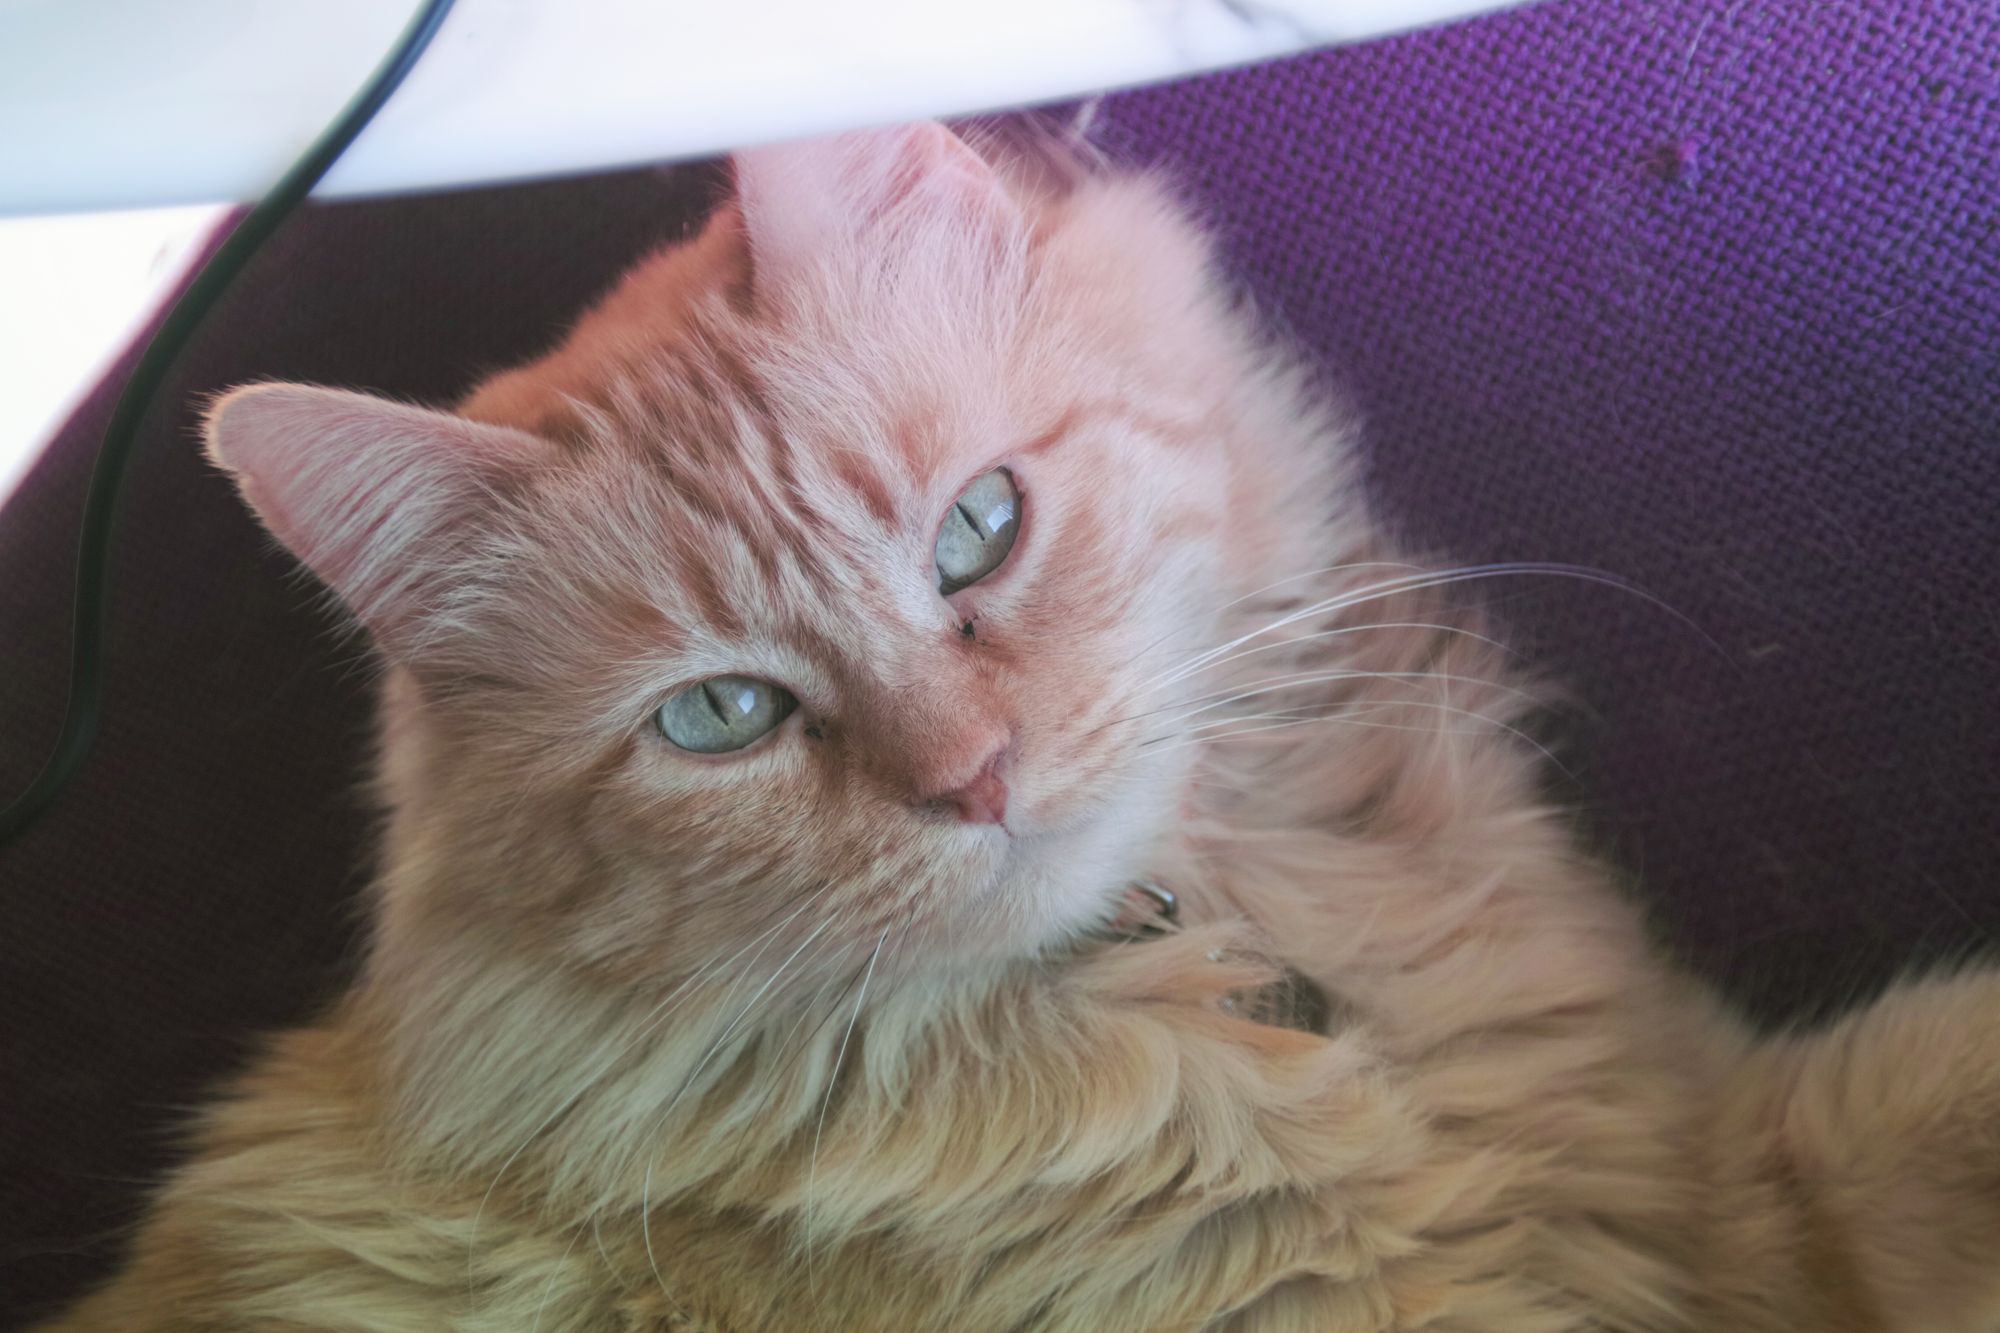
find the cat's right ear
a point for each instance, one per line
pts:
(869, 189)
(375, 497)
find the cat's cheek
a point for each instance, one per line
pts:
(1116, 831)
(684, 805)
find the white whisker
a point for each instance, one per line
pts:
(1417, 583)
(1272, 684)
(832, 1079)
(1288, 643)
(1199, 735)
(1274, 584)
(1327, 606)
(646, 1027)
(714, 1047)
(549, 1287)
(1356, 629)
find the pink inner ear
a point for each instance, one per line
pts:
(801, 198)
(892, 167)
(370, 494)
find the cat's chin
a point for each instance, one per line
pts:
(1054, 885)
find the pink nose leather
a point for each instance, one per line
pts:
(982, 800)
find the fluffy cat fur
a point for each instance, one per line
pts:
(654, 1040)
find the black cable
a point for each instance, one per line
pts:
(114, 455)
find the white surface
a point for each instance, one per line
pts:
(135, 104)
(72, 292)
(117, 103)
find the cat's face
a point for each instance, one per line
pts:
(815, 595)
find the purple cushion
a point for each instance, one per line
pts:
(1708, 299)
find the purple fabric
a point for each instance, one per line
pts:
(1708, 297)
(1704, 296)
(199, 885)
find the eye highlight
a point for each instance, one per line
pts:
(979, 531)
(724, 713)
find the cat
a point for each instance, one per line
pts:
(807, 688)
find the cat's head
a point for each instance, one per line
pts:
(816, 590)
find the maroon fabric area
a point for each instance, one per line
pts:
(200, 884)
(1705, 296)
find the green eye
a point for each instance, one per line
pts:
(979, 531)
(722, 714)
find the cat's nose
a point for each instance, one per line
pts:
(981, 799)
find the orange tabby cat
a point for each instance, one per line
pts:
(789, 676)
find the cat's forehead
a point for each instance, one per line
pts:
(741, 499)
(749, 460)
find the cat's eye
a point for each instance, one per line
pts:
(722, 714)
(979, 531)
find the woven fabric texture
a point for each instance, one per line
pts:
(1708, 297)
(1705, 296)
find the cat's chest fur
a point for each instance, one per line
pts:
(1111, 1145)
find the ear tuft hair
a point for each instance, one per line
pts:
(373, 496)
(803, 200)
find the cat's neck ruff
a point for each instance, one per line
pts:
(487, 1057)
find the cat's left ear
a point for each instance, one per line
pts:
(802, 201)
(379, 499)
